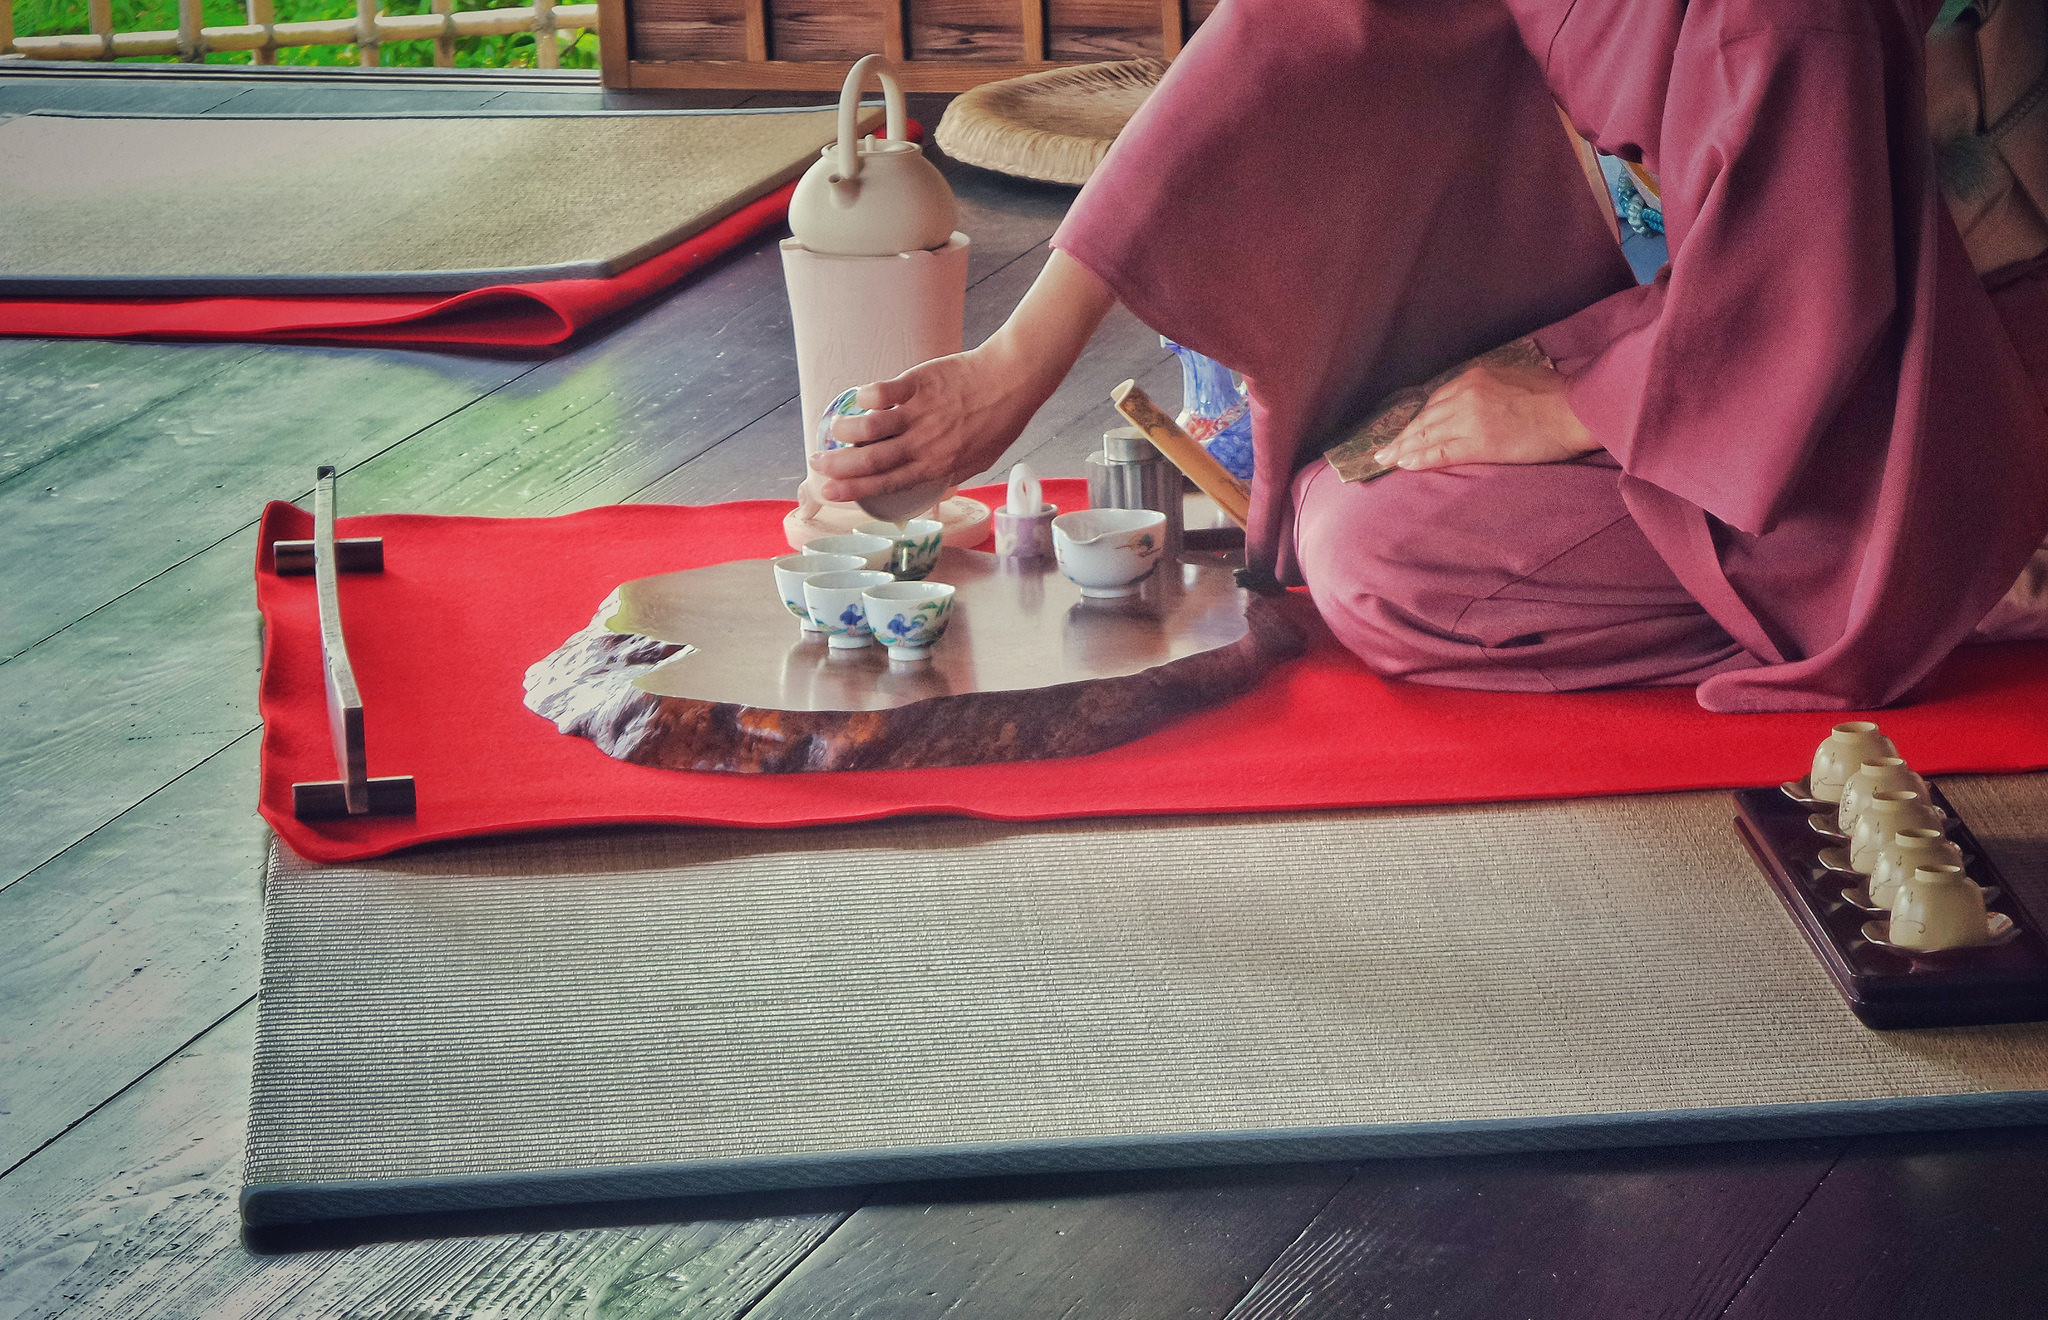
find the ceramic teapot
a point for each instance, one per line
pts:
(867, 197)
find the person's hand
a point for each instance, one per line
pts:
(949, 418)
(941, 421)
(1492, 414)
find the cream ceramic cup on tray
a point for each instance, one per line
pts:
(1889, 812)
(1938, 907)
(791, 572)
(1879, 772)
(1843, 753)
(835, 604)
(1908, 851)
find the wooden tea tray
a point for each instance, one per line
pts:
(705, 670)
(1888, 987)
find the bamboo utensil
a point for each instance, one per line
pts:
(1184, 451)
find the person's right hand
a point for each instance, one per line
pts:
(949, 418)
(942, 421)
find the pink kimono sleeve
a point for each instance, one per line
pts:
(1825, 428)
(1339, 198)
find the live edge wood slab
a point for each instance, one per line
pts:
(706, 670)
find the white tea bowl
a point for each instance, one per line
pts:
(791, 571)
(874, 551)
(1108, 551)
(835, 604)
(907, 617)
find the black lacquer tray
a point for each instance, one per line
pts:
(1888, 987)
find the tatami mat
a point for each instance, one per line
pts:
(653, 1012)
(216, 204)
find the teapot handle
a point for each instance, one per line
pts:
(849, 108)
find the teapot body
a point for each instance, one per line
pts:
(872, 197)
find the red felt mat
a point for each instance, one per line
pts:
(442, 639)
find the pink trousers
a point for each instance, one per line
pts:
(1523, 578)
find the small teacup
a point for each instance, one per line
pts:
(792, 570)
(1939, 907)
(835, 605)
(1842, 753)
(907, 617)
(1109, 551)
(1908, 851)
(873, 551)
(914, 545)
(1876, 773)
(1889, 812)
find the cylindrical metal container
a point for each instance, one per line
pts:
(1129, 473)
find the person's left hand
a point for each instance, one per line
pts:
(1492, 414)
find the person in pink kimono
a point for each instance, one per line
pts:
(1796, 470)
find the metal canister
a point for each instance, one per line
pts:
(1130, 473)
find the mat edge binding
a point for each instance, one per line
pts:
(286, 1204)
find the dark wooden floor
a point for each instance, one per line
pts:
(130, 479)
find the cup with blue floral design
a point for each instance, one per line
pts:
(915, 543)
(792, 571)
(907, 617)
(834, 600)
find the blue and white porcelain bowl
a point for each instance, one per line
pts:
(916, 546)
(792, 571)
(834, 600)
(907, 617)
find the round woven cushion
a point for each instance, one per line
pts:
(1055, 126)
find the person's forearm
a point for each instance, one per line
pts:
(1045, 335)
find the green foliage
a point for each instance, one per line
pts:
(40, 18)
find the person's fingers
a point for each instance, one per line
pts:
(866, 469)
(867, 428)
(1419, 442)
(887, 393)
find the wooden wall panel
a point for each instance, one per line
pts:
(1197, 10)
(1082, 30)
(966, 30)
(687, 29)
(824, 29)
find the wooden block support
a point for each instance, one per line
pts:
(1184, 450)
(355, 793)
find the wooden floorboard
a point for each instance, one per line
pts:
(1667, 1233)
(1125, 1246)
(1916, 1228)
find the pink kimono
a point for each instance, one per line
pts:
(1825, 454)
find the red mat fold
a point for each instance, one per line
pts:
(441, 640)
(502, 316)
(532, 315)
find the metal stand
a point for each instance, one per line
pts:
(355, 793)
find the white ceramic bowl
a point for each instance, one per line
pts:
(792, 570)
(907, 617)
(835, 605)
(874, 551)
(1108, 551)
(1878, 773)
